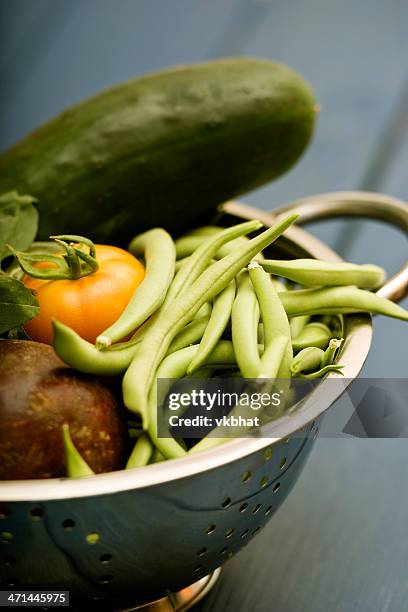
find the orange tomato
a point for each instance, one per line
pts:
(90, 304)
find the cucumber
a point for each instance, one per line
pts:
(164, 149)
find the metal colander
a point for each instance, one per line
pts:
(123, 539)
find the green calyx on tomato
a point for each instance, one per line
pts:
(73, 264)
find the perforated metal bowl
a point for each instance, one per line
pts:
(132, 537)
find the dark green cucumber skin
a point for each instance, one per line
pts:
(163, 149)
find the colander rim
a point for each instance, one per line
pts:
(355, 350)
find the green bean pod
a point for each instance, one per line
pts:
(158, 250)
(191, 334)
(141, 453)
(313, 334)
(156, 341)
(322, 372)
(330, 353)
(244, 327)
(175, 366)
(278, 284)
(205, 230)
(273, 357)
(313, 273)
(201, 257)
(274, 318)
(85, 357)
(186, 245)
(204, 311)
(307, 359)
(220, 316)
(157, 457)
(297, 324)
(76, 465)
(339, 300)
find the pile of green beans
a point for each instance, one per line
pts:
(211, 300)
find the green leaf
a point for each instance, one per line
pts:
(17, 304)
(18, 221)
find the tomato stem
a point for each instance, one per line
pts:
(75, 262)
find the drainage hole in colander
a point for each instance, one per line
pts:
(246, 476)
(210, 529)
(5, 537)
(224, 550)
(36, 514)
(276, 487)
(197, 569)
(264, 481)
(105, 579)
(282, 463)
(68, 524)
(229, 532)
(4, 512)
(105, 558)
(255, 531)
(268, 510)
(93, 538)
(268, 452)
(226, 502)
(243, 507)
(256, 508)
(244, 533)
(9, 560)
(201, 552)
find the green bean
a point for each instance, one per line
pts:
(273, 357)
(274, 318)
(186, 245)
(180, 263)
(313, 334)
(191, 334)
(337, 326)
(202, 256)
(244, 327)
(175, 366)
(307, 359)
(297, 324)
(330, 352)
(76, 466)
(339, 300)
(157, 457)
(320, 373)
(278, 284)
(220, 316)
(205, 230)
(204, 311)
(155, 343)
(141, 453)
(313, 273)
(158, 249)
(85, 357)
(325, 319)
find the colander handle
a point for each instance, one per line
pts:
(362, 204)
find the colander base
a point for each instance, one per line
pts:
(182, 600)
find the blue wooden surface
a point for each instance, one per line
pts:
(338, 543)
